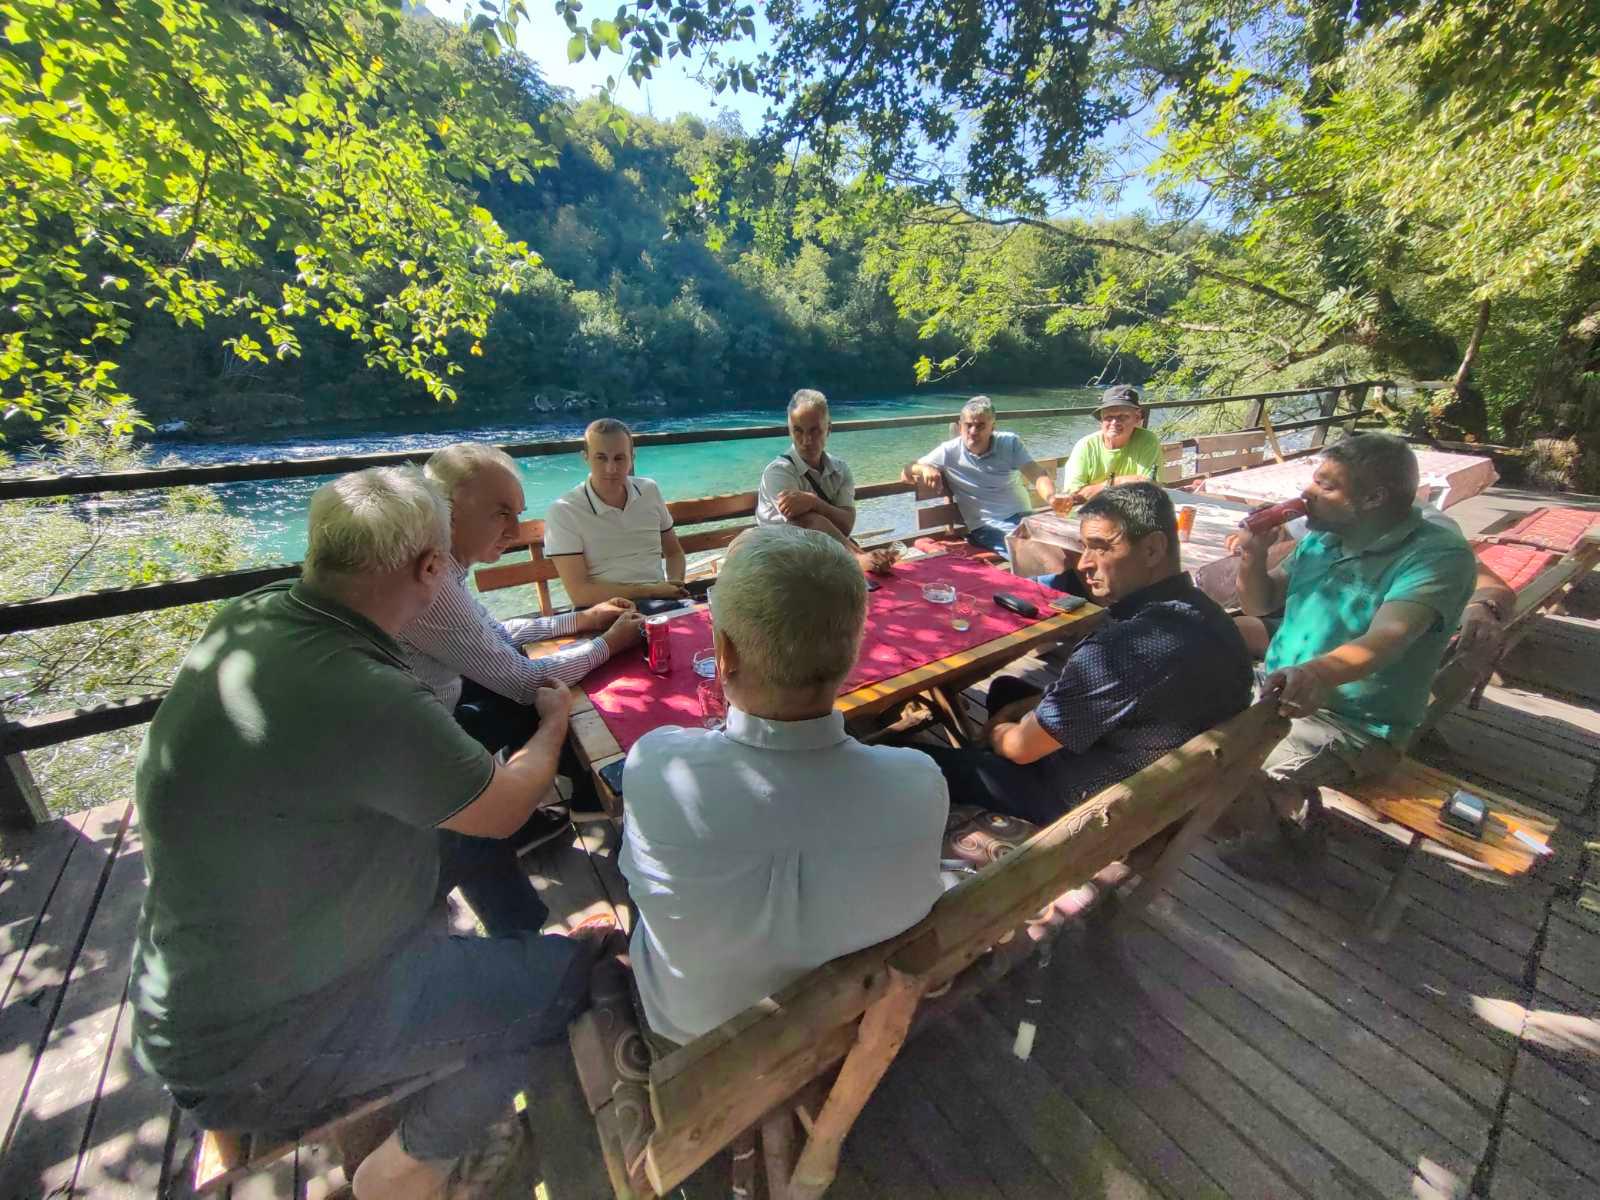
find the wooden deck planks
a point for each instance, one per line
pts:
(972, 1047)
(81, 1060)
(1343, 1064)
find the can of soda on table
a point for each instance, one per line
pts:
(658, 645)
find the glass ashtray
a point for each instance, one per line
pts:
(939, 593)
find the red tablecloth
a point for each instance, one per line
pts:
(1558, 529)
(904, 632)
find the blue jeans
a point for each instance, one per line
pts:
(433, 1000)
(991, 535)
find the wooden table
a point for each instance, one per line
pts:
(1045, 543)
(941, 680)
(1453, 476)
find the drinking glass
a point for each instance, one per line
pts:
(705, 662)
(939, 593)
(713, 704)
(965, 608)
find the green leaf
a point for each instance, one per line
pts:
(577, 47)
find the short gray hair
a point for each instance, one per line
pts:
(454, 465)
(1379, 462)
(807, 398)
(376, 520)
(976, 407)
(793, 602)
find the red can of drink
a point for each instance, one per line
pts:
(658, 645)
(1274, 515)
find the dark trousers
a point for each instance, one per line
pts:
(486, 869)
(993, 537)
(980, 777)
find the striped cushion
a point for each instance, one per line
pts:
(1517, 565)
(1551, 528)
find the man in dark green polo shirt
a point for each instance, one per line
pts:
(293, 794)
(1370, 598)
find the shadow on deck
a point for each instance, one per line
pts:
(1242, 1040)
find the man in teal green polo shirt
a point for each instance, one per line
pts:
(1370, 598)
(1122, 450)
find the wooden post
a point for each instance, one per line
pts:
(1391, 905)
(1252, 418)
(21, 805)
(882, 1033)
(1326, 407)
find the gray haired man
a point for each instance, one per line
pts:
(807, 487)
(976, 467)
(292, 793)
(759, 851)
(476, 664)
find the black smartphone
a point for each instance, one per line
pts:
(612, 774)
(1016, 604)
(1068, 603)
(873, 585)
(651, 607)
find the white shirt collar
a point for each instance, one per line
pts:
(815, 734)
(630, 490)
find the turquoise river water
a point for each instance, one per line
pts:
(276, 510)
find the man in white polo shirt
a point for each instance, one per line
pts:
(810, 488)
(611, 535)
(759, 851)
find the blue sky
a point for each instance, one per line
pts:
(673, 90)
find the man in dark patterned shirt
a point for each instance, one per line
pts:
(1167, 664)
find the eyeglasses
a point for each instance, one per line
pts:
(1117, 418)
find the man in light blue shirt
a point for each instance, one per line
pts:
(976, 468)
(757, 852)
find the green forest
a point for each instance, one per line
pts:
(622, 311)
(245, 215)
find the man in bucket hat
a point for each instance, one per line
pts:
(1121, 451)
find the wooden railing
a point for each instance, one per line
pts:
(20, 802)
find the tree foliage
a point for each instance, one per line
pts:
(156, 153)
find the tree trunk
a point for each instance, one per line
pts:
(1458, 413)
(1562, 416)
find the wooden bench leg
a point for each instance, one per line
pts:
(1391, 906)
(882, 1033)
(1177, 849)
(777, 1150)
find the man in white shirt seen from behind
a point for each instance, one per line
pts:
(757, 852)
(612, 534)
(476, 664)
(807, 487)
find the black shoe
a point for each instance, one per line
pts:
(545, 825)
(584, 797)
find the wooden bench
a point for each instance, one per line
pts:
(227, 1156)
(749, 1073)
(943, 520)
(1404, 806)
